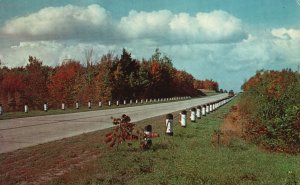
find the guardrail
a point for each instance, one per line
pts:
(195, 113)
(109, 103)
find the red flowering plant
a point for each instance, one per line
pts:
(124, 132)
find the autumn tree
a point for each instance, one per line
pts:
(104, 77)
(206, 84)
(183, 84)
(36, 91)
(112, 78)
(13, 88)
(66, 83)
(162, 71)
(88, 90)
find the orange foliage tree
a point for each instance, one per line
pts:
(66, 83)
(206, 84)
(111, 78)
(36, 79)
(13, 89)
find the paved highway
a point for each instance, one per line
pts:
(24, 132)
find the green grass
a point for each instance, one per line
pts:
(190, 158)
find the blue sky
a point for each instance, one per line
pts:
(224, 40)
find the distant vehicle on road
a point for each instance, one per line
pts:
(230, 93)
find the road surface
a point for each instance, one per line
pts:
(24, 132)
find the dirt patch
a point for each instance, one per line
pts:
(233, 126)
(42, 163)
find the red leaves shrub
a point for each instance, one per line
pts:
(125, 132)
(122, 132)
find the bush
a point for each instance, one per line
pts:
(271, 103)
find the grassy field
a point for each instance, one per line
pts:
(189, 157)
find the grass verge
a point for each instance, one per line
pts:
(189, 157)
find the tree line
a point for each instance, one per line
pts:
(111, 78)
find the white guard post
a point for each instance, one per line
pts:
(203, 110)
(62, 106)
(193, 115)
(117, 103)
(100, 104)
(45, 107)
(26, 108)
(109, 103)
(207, 108)
(198, 113)
(77, 105)
(183, 118)
(124, 102)
(89, 104)
(1, 109)
(169, 124)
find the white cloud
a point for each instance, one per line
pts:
(220, 25)
(286, 34)
(146, 24)
(94, 23)
(215, 26)
(59, 22)
(287, 44)
(51, 52)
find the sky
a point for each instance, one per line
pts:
(223, 40)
